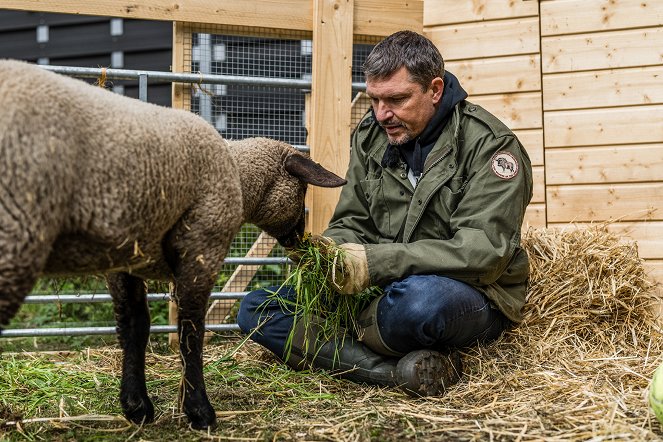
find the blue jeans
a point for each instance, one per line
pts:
(418, 312)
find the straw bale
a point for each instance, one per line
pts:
(579, 365)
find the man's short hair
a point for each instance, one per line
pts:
(405, 48)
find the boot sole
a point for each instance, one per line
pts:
(428, 372)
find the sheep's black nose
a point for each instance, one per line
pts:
(288, 242)
(290, 239)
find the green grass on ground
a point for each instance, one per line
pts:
(74, 396)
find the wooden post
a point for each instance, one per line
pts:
(181, 42)
(330, 101)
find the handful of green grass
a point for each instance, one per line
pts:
(316, 296)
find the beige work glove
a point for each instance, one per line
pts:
(350, 269)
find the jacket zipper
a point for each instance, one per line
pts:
(430, 195)
(444, 155)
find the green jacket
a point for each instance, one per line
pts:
(463, 219)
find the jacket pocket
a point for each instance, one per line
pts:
(377, 206)
(451, 194)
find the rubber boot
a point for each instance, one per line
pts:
(418, 373)
(428, 372)
(346, 357)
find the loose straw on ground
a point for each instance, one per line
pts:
(577, 368)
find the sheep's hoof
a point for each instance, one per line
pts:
(201, 417)
(138, 410)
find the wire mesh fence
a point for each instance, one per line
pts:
(237, 109)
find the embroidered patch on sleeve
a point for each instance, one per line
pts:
(505, 165)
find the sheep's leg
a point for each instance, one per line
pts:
(195, 249)
(15, 284)
(23, 255)
(191, 327)
(133, 327)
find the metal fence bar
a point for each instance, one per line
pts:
(142, 87)
(129, 74)
(106, 297)
(85, 331)
(258, 261)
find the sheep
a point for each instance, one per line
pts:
(96, 183)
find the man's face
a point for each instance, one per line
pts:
(401, 107)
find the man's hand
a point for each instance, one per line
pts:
(350, 272)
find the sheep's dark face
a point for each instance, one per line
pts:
(282, 212)
(291, 238)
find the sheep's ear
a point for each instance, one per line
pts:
(311, 172)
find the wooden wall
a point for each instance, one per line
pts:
(493, 48)
(602, 70)
(581, 83)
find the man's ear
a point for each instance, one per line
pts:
(436, 88)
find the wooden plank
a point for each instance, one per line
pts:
(173, 338)
(532, 140)
(446, 12)
(539, 185)
(654, 269)
(181, 45)
(371, 17)
(619, 87)
(606, 50)
(577, 16)
(487, 39)
(604, 164)
(601, 202)
(520, 73)
(596, 127)
(331, 96)
(648, 235)
(517, 111)
(283, 14)
(535, 216)
(383, 18)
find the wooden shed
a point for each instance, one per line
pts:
(581, 84)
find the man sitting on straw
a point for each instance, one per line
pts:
(436, 195)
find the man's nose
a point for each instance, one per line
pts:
(382, 112)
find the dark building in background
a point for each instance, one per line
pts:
(237, 111)
(87, 41)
